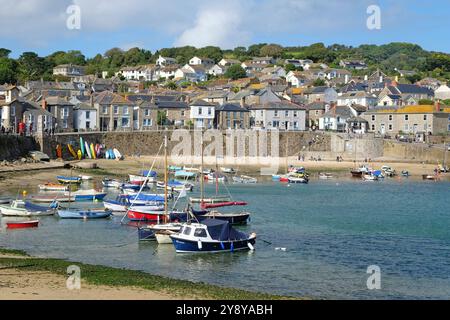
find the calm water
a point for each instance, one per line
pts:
(332, 231)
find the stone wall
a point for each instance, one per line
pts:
(415, 152)
(14, 147)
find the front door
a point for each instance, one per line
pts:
(383, 128)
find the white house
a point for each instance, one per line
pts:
(296, 79)
(85, 117)
(206, 62)
(216, 70)
(283, 115)
(202, 114)
(228, 62)
(275, 70)
(336, 118)
(167, 71)
(305, 64)
(192, 73)
(357, 97)
(145, 72)
(442, 93)
(165, 61)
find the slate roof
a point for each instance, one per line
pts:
(341, 111)
(228, 107)
(281, 105)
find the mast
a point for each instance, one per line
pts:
(202, 178)
(165, 177)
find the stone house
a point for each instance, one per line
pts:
(282, 115)
(232, 116)
(68, 70)
(314, 111)
(398, 94)
(114, 112)
(62, 111)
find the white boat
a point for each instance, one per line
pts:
(298, 180)
(20, 208)
(111, 183)
(53, 187)
(245, 179)
(325, 176)
(369, 177)
(216, 199)
(86, 178)
(141, 179)
(215, 176)
(228, 170)
(117, 154)
(175, 186)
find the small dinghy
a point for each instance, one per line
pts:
(22, 224)
(50, 199)
(69, 180)
(325, 176)
(111, 183)
(183, 174)
(88, 195)
(84, 214)
(245, 179)
(370, 177)
(430, 177)
(215, 199)
(405, 173)
(175, 186)
(160, 232)
(53, 187)
(211, 236)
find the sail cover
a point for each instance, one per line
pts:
(221, 230)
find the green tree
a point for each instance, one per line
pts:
(319, 83)
(161, 118)
(426, 102)
(171, 85)
(32, 67)
(4, 53)
(271, 50)
(8, 70)
(235, 72)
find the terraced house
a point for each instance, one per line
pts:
(114, 112)
(62, 111)
(282, 115)
(418, 120)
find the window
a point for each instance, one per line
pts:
(262, 114)
(448, 127)
(317, 112)
(125, 122)
(201, 233)
(286, 113)
(116, 110)
(209, 111)
(295, 124)
(373, 117)
(275, 113)
(105, 110)
(88, 124)
(373, 127)
(406, 117)
(182, 113)
(390, 127)
(199, 111)
(88, 114)
(295, 114)
(147, 112)
(65, 124)
(187, 231)
(13, 111)
(390, 117)
(276, 124)
(125, 110)
(425, 117)
(147, 123)
(65, 112)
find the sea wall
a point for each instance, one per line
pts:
(14, 147)
(415, 152)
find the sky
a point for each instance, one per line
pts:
(41, 25)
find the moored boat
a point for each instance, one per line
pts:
(211, 236)
(88, 195)
(430, 177)
(20, 208)
(215, 199)
(51, 198)
(175, 186)
(245, 179)
(69, 180)
(325, 175)
(22, 224)
(53, 187)
(84, 214)
(112, 183)
(143, 214)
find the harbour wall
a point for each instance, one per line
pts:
(14, 147)
(415, 152)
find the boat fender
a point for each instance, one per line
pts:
(232, 247)
(199, 244)
(250, 246)
(222, 245)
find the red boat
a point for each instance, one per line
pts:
(144, 215)
(22, 224)
(222, 204)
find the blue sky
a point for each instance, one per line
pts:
(40, 25)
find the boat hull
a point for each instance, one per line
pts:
(189, 246)
(71, 214)
(136, 215)
(22, 225)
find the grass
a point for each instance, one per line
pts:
(114, 277)
(98, 172)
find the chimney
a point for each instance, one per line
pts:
(396, 79)
(92, 100)
(381, 79)
(44, 103)
(366, 77)
(394, 83)
(437, 105)
(243, 102)
(346, 78)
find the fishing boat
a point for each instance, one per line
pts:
(84, 214)
(111, 183)
(53, 187)
(325, 176)
(245, 179)
(211, 236)
(298, 177)
(369, 177)
(88, 195)
(22, 224)
(86, 178)
(359, 172)
(20, 208)
(216, 177)
(69, 180)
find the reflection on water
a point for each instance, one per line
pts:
(331, 231)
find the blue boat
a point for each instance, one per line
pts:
(185, 174)
(130, 186)
(88, 195)
(148, 173)
(84, 214)
(211, 236)
(69, 180)
(145, 197)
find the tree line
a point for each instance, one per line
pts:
(388, 58)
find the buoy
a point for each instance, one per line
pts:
(24, 193)
(199, 244)
(250, 246)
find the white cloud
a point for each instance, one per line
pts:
(218, 27)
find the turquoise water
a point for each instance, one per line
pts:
(332, 231)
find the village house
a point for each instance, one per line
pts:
(202, 114)
(167, 72)
(282, 115)
(353, 64)
(336, 118)
(442, 93)
(232, 116)
(114, 112)
(217, 97)
(11, 108)
(275, 71)
(420, 121)
(228, 62)
(176, 113)
(68, 70)
(146, 115)
(358, 97)
(314, 111)
(305, 64)
(263, 60)
(85, 117)
(398, 94)
(297, 79)
(165, 61)
(192, 73)
(217, 70)
(200, 61)
(141, 73)
(251, 67)
(322, 93)
(62, 111)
